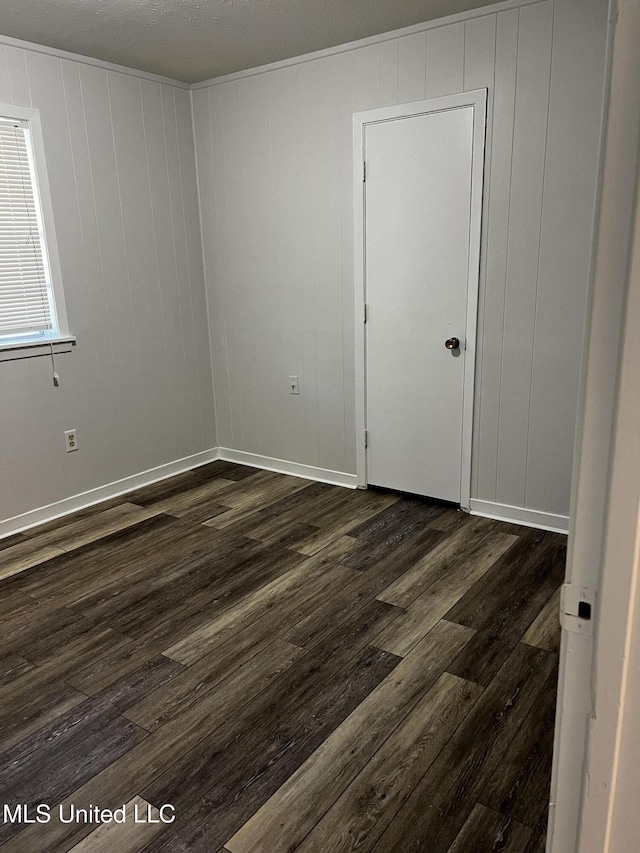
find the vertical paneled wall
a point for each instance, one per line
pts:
(137, 387)
(274, 154)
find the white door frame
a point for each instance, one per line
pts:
(589, 792)
(478, 100)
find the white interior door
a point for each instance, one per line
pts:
(419, 261)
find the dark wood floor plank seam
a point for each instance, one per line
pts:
(515, 607)
(12, 539)
(57, 779)
(40, 549)
(368, 805)
(12, 666)
(528, 558)
(320, 636)
(141, 765)
(363, 588)
(40, 577)
(544, 631)
(519, 787)
(22, 721)
(250, 607)
(199, 595)
(206, 670)
(486, 831)
(218, 812)
(38, 654)
(324, 669)
(469, 544)
(432, 604)
(198, 642)
(195, 564)
(194, 683)
(226, 735)
(453, 783)
(77, 515)
(288, 816)
(89, 715)
(362, 509)
(298, 507)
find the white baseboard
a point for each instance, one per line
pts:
(520, 515)
(104, 493)
(282, 466)
(501, 512)
(145, 478)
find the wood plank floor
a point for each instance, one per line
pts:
(290, 665)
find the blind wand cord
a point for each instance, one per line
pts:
(56, 377)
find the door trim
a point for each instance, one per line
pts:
(478, 100)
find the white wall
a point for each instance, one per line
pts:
(274, 159)
(137, 387)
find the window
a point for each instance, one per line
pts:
(31, 310)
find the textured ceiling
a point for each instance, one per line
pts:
(194, 40)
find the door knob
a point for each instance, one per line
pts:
(452, 343)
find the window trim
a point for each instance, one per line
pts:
(25, 348)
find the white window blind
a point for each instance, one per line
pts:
(26, 299)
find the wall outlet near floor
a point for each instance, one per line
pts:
(71, 440)
(294, 386)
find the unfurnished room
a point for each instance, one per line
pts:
(319, 418)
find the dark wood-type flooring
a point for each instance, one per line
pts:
(291, 665)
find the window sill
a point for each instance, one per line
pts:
(12, 352)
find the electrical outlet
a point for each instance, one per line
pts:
(71, 440)
(294, 387)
